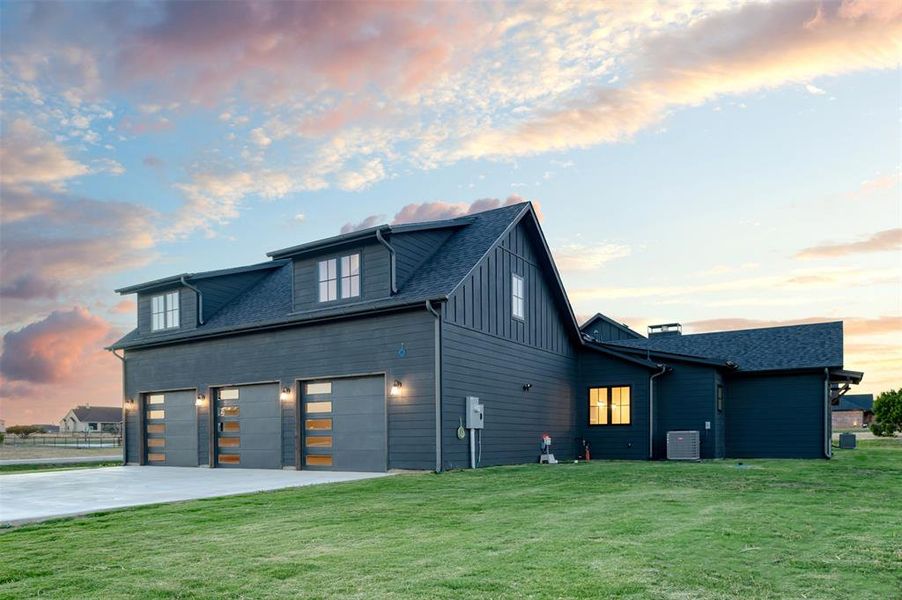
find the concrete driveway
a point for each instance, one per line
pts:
(38, 496)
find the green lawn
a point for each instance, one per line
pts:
(765, 529)
(26, 468)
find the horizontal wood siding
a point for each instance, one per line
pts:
(495, 370)
(415, 248)
(187, 310)
(374, 277)
(352, 347)
(483, 301)
(614, 441)
(218, 291)
(775, 416)
(684, 400)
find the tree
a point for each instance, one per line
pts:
(23, 431)
(887, 413)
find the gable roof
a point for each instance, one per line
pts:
(98, 414)
(818, 345)
(175, 279)
(622, 327)
(268, 303)
(863, 402)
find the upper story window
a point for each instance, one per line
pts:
(328, 280)
(344, 272)
(350, 276)
(609, 406)
(164, 311)
(518, 297)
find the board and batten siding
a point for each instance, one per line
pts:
(483, 300)
(495, 370)
(775, 416)
(375, 279)
(187, 309)
(684, 400)
(350, 347)
(614, 441)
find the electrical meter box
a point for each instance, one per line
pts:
(475, 414)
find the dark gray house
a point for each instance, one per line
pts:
(364, 352)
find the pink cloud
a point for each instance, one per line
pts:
(124, 307)
(54, 349)
(882, 241)
(438, 210)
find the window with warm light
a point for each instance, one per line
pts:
(609, 405)
(164, 311)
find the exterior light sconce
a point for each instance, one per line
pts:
(396, 387)
(527, 387)
(285, 394)
(129, 404)
(200, 400)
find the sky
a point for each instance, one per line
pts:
(719, 164)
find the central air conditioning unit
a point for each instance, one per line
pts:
(683, 445)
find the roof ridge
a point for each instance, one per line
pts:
(762, 328)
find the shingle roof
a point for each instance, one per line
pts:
(98, 414)
(816, 345)
(855, 402)
(269, 301)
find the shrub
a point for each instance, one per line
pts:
(2, 437)
(23, 431)
(887, 413)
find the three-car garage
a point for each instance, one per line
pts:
(328, 424)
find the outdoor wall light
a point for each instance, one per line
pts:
(527, 387)
(396, 387)
(200, 400)
(129, 404)
(285, 394)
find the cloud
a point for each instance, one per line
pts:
(882, 241)
(436, 211)
(54, 243)
(755, 47)
(368, 173)
(259, 137)
(55, 363)
(51, 350)
(29, 156)
(587, 257)
(124, 307)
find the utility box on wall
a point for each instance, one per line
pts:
(475, 413)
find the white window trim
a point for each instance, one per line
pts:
(518, 301)
(347, 279)
(169, 315)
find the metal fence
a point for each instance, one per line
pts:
(75, 440)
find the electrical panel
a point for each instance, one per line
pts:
(475, 413)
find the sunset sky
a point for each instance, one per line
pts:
(719, 164)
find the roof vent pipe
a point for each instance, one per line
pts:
(391, 261)
(200, 299)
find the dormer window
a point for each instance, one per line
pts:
(343, 273)
(164, 311)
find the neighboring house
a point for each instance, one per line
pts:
(853, 410)
(107, 419)
(358, 352)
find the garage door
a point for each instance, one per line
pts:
(249, 427)
(170, 423)
(343, 424)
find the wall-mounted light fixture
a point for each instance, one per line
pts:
(527, 387)
(200, 400)
(396, 387)
(285, 394)
(129, 404)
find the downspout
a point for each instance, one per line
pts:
(651, 410)
(391, 262)
(438, 385)
(124, 405)
(200, 299)
(828, 443)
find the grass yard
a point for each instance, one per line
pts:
(766, 529)
(10, 469)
